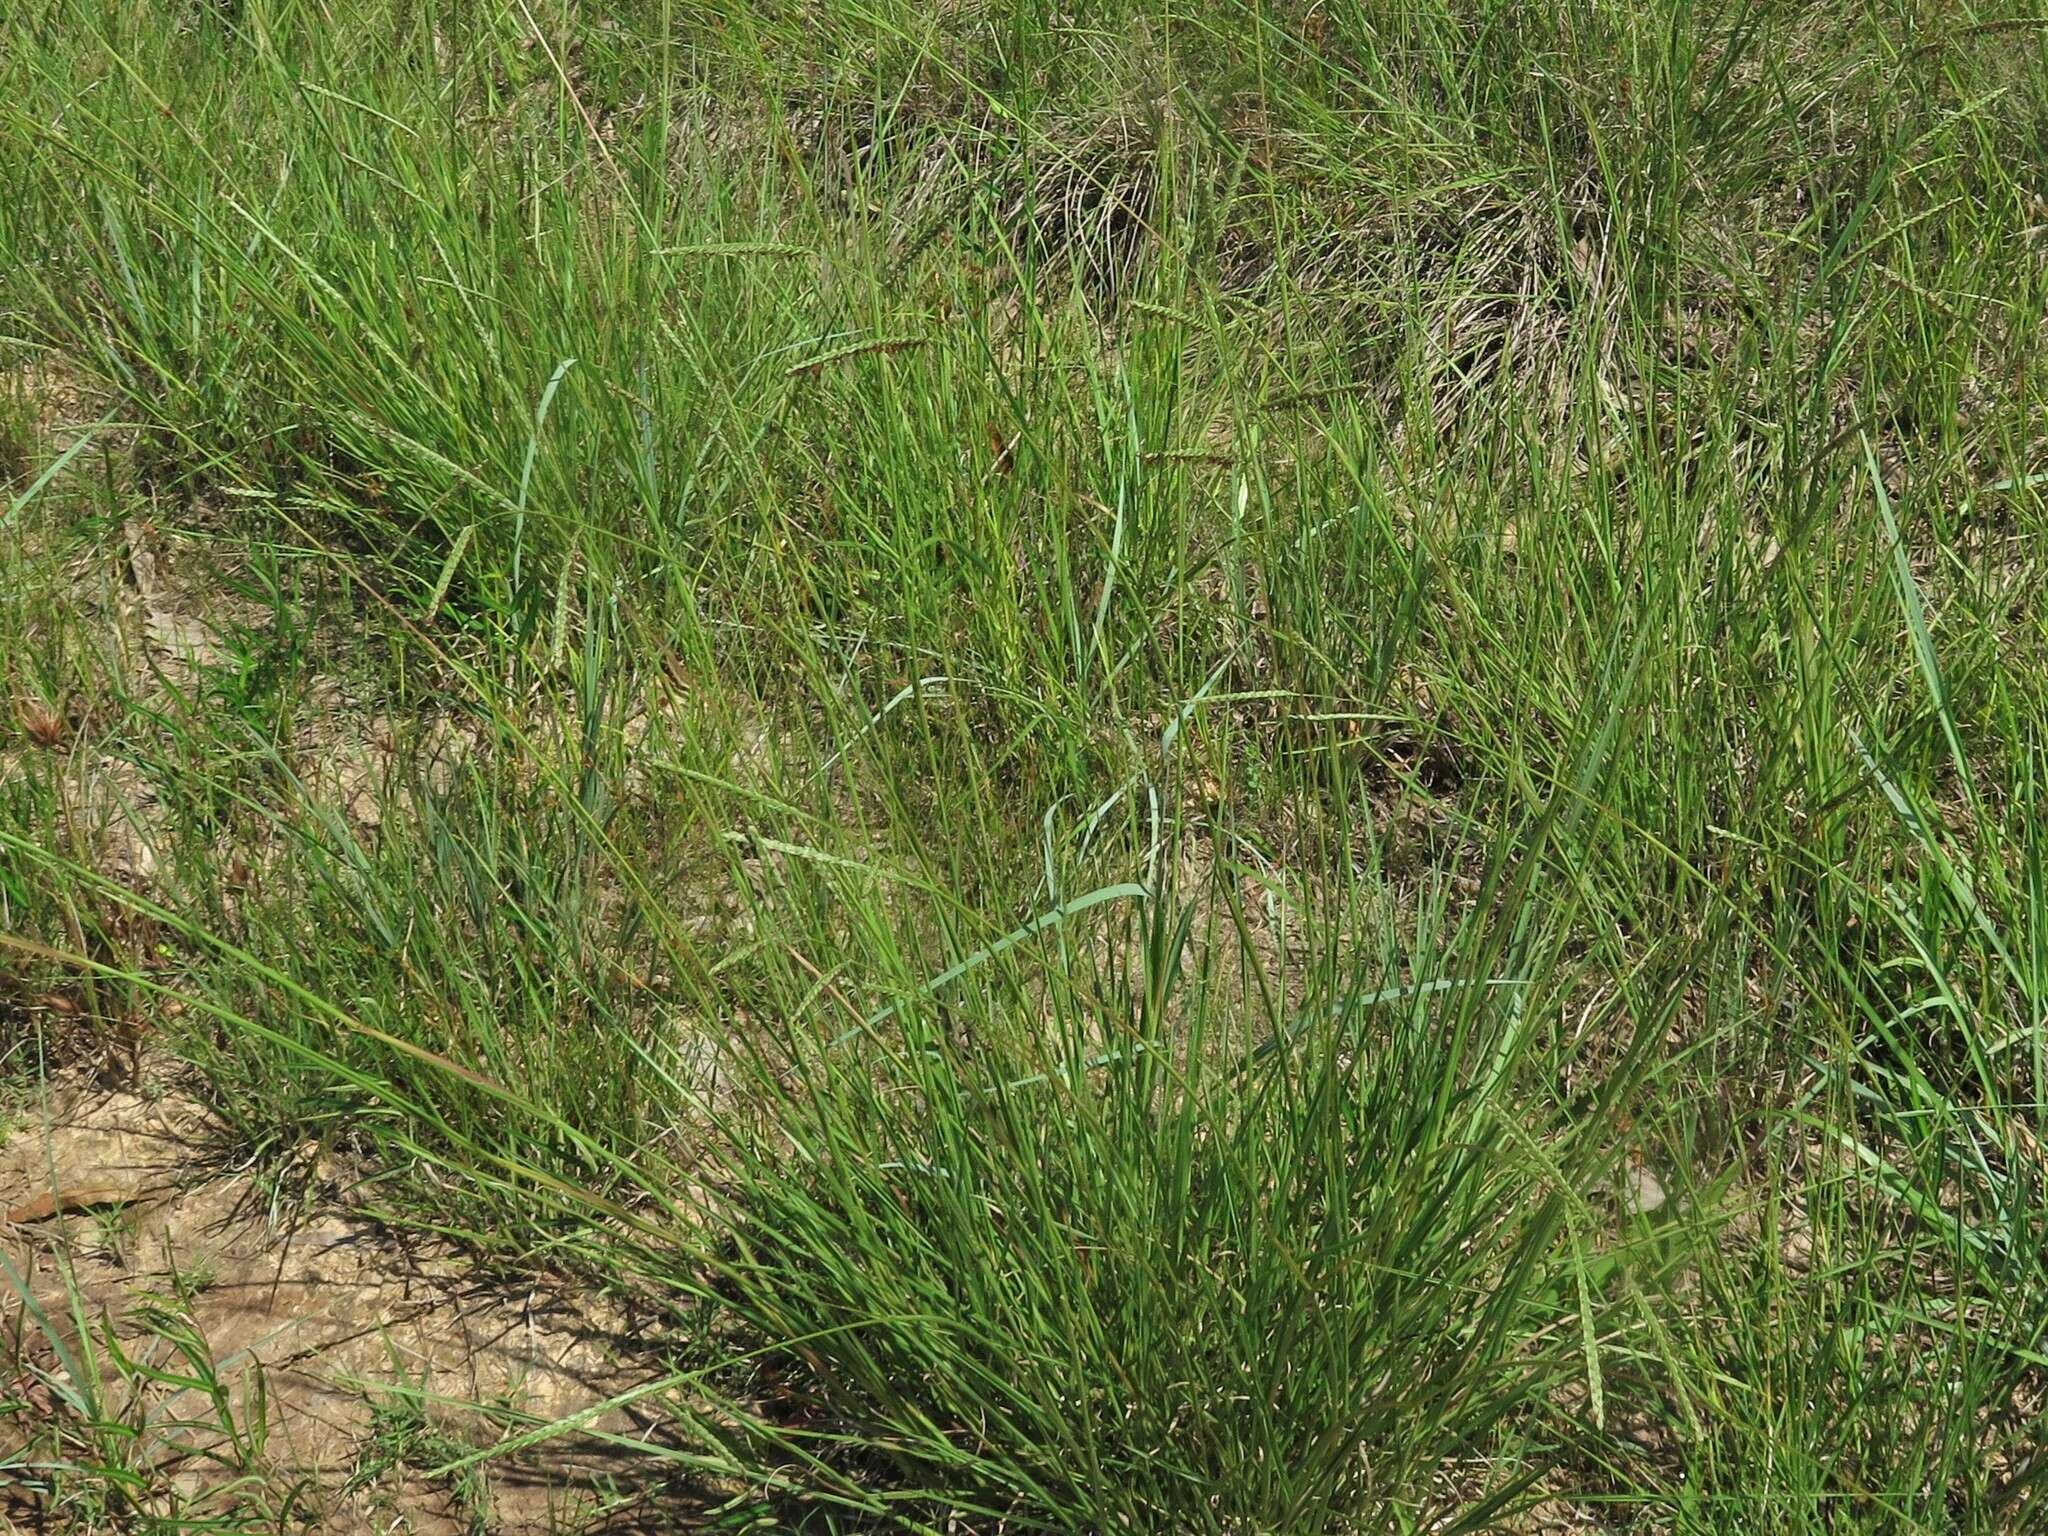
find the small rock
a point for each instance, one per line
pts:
(1640, 1192)
(62, 1202)
(1796, 1251)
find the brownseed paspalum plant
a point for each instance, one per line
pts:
(1087, 731)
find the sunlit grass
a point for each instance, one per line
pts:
(1096, 732)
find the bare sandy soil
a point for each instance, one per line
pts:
(367, 1343)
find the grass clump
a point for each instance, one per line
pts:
(134, 1423)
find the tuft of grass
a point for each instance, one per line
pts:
(402, 1440)
(133, 1423)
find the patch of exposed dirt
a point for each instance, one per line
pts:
(368, 1343)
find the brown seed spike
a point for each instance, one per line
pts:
(1005, 450)
(43, 727)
